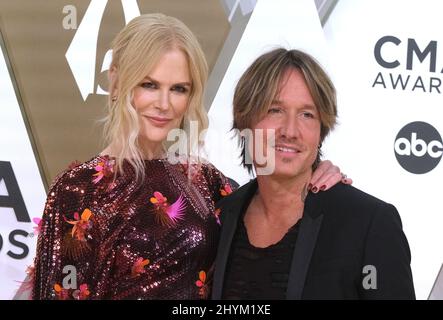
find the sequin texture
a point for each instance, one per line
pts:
(126, 253)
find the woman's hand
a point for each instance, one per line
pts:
(327, 175)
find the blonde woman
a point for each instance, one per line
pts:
(129, 223)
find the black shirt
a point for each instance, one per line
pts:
(258, 273)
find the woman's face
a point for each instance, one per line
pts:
(296, 122)
(162, 98)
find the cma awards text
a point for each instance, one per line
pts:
(418, 75)
(12, 202)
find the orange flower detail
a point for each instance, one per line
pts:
(203, 290)
(81, 224)
(62, 293)
(82, 293)
(139, 267)
(104, 169)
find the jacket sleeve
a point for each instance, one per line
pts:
(48, 262)
(386, 270)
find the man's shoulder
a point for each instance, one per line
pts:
(350, 202)
(342, 193)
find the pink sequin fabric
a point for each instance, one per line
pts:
(127, 241)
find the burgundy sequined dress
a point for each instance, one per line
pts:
(157, 241)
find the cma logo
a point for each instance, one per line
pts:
(13, 199)
(412, 50)
(418, 147)
(81, 54)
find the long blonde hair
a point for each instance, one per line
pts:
(135, 51)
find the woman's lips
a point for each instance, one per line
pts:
(158, 121)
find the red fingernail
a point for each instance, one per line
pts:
(314, 189)
(323, 187)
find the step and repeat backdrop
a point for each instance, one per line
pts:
(383, 57)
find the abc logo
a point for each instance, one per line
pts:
(418, 147)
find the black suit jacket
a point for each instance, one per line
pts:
(342, 231)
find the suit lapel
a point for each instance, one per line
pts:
(232, 208)
(304, 247)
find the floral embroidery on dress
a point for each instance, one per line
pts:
(61, 293)
(226, 190)
(30, 271)
(75, 243)
(79, 294)
(105, 169)
(203, 290)
(168, 215)
(28, 284)
(38, 227)
(139, 267)
(123, 227)
(81, 225)
(82, 293)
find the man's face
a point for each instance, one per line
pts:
(296, 123)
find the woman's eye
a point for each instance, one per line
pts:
(179, 89)
(274, 110)
(148, 85)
